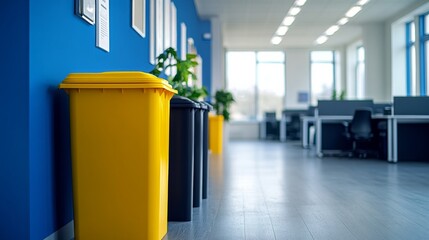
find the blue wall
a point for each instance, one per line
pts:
(186, 13)
(14, 184)
(61, 43)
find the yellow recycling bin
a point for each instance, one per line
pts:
(216, 133)
(119, 124)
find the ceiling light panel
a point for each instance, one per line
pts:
(322, 39)
(332, 30)
(282, 30)
(288, 20)
(300, 3)
(276, 40)
(353, 11)
(362, 2)
(349, 14)
(294, 11)
(343, 21)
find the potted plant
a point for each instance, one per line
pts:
(335, 96)
(222, 103)
(184, 73)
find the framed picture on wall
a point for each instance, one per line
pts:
(86, 10)
(173, 26)
(152, 31)
(167, 24)
(138, 16)
(159, 28)
(183, 41)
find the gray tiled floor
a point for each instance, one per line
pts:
(272, 190)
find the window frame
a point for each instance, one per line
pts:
(408, 46)
(423, 37)
(256, 116)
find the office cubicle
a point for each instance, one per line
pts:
(342, 107)
(410, 129)
(329, 124)
(411, 105)
(290, 125)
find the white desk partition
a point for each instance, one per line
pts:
(325, 119)
(305, 121)
(283, 128)
(338, 119)
(407, 109)
(398, 119)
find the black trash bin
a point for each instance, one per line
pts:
(181, 158)
(198, 154)
(206, 109)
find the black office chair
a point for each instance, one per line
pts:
(272, 129)
(360, 132)
(293, 127)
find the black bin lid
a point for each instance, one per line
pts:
(206, 106)
(183, 102)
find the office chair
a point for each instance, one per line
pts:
(360, 132)
(272, 125)
(293, 128)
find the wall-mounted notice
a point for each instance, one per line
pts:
(138, 17)
(102, 25)
(183, 41)
(303, 97)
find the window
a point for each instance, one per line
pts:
(322, 75)
(270, 82)
(424, 32)
(411, 59)
(360, 73)
(241, 81)
(257, 81)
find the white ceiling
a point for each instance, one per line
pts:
(252, 23)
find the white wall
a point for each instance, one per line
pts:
(377, 85)
(398, 60)
(297, 76)
(350, 67)
(243, 130)
(395, 29)
(218, 56)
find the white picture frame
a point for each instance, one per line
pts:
(138, 20)
(173, 26)
(183, 41)
(167, 24)
(152, 46)
(86, 10)
(159, 22)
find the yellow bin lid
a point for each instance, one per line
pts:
(115, 80)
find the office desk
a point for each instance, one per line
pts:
(283, 127)
(392, 130)
(326, 119)
(339, 119)
(393, 141)
(305, 121)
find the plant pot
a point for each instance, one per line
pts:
(216, 133)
